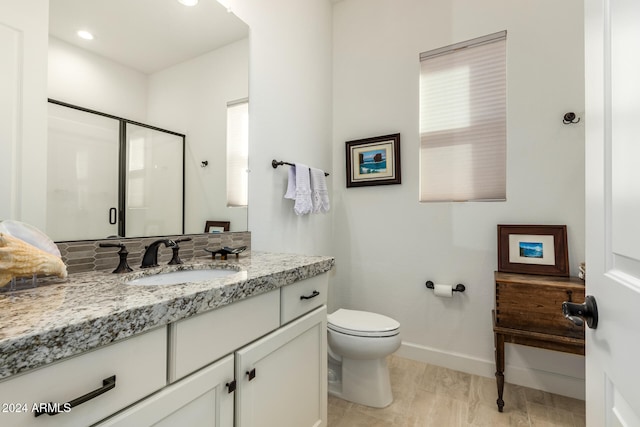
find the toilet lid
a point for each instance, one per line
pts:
(362, 323)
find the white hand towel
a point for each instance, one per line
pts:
(319, 192)
(291, 185)
(302, 204)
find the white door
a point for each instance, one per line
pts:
(612, 98)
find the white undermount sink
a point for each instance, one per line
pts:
(182, 276)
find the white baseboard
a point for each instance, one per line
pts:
(551, 382)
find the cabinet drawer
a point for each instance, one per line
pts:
(302, 297)
(197, 341)
(139, 365)
(537, 307)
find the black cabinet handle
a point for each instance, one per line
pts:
(107, 384)
(251, 374)
(231, 386)
(313, 295)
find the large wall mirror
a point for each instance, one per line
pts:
(160, 63)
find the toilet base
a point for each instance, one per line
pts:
(365, 382)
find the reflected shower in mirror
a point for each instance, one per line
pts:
(108, 176)
(154, 182)
(148, 69)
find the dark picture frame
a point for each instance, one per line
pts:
(216, 226)
(373, 161)
(533, 249)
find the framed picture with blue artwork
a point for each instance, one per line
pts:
(533, 249)
(373, 161)
(216, 226)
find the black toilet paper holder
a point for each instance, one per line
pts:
(459, 287)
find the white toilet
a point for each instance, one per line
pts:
(359, 343)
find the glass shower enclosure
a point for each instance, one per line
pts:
(111, 177)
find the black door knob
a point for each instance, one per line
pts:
(579, 313)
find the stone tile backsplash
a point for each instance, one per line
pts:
(86, 255)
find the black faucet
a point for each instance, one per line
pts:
(176, 257)
(123, 267)
(150, 257)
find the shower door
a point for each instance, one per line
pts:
(154, 182)
(82, 175)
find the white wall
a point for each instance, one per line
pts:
(289, 116)
(23, 114)
(386, 243)
(79, 77)
(202, 87)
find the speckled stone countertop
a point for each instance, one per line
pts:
(87, 310)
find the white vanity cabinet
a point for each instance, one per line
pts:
(260, 361)
(282, 378)
(138, 364)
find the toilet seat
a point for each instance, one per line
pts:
(362, 323)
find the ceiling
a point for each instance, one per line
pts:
(147, 35)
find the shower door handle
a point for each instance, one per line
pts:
(113, 216)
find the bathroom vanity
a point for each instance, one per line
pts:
(248, 349)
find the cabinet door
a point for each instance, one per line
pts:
(282, 378)
(200, 400)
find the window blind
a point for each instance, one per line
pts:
(463, 121)
(237, 153)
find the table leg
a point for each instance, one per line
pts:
(499, 338)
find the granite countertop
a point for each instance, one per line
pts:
(87, 310)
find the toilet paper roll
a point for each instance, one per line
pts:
(445, 291)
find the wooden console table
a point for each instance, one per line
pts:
(528, 311)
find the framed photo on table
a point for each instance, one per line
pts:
(373, 161)
(533, 249)
(216, 226)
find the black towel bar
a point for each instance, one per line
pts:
(275, 164)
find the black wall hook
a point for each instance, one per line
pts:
(204, 164)
(570, 118)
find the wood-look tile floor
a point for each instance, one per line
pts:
(427, 395)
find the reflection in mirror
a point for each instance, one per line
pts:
(82, 174)
(154, 190)
(113, 178)
(161, 63)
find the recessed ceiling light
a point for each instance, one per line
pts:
(85, 35)
(188, 2)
